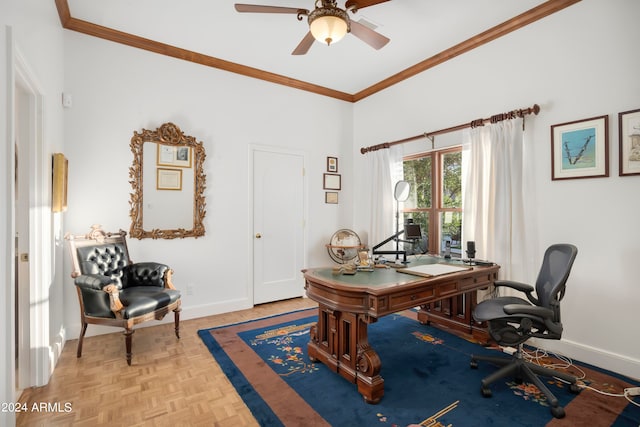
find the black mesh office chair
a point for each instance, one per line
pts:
(511, 321)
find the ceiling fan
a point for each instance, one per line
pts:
(327, 22)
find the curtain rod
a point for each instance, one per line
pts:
(474, 123)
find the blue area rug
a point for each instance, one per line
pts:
(427, 380)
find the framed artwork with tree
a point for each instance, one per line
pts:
(580, 149)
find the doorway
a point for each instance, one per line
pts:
(278, 223)
(31, 222)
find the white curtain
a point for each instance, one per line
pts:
(384, 170)
(496, 186)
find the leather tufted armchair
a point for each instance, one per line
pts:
(113, 290)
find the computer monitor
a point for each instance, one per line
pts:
(412, 232)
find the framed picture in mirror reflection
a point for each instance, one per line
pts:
(169, 179)
(175, 156)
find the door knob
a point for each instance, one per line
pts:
(258, 235)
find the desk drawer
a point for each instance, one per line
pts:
(411, 299)
(446, 289)
(475, 282)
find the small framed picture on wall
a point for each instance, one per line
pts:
(332, 164)
(580, 149)
(331, 181)
(331, 197)
(629, 130)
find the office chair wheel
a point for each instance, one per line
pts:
(557, 411)
(575, 388)
(486, 391)
(473, 364)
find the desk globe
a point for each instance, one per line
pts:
(344, 245)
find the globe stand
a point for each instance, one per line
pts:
(340, 252)
(344, 246)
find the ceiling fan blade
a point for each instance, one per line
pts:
(256, 8)
(361, 4)
(304, 45)
(367, 35)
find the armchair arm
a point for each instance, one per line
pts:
(146, 274)
(92, 281)
(533, 310)
(168, 284)
(114, 299)
(91, 286)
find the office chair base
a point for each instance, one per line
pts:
(522, 370)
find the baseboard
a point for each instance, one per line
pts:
(43, 361)
(190, 312)
(204, 310)
(56, 346)
(618, 363)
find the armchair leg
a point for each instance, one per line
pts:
(128, 334)
(82, 332)
(176, 314)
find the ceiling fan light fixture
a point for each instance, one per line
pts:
(328, 25)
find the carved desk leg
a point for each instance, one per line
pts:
(339, 340)
(368, 364)
(322, 344)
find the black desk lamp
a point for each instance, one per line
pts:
(401, 194)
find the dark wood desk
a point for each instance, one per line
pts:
(348, 304)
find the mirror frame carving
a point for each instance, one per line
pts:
(167, 134)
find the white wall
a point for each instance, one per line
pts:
(117, 90)
(576, 64)
(30, 30)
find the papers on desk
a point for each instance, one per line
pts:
(430, 270)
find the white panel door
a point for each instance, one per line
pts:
(278, 224)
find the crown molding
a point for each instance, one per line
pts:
(545, 9)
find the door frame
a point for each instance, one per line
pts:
(253, 148)
(34, 343)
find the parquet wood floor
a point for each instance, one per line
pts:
(171, 382)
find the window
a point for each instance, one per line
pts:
(435, 202)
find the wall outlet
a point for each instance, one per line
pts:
(67, 100)
(189, 289)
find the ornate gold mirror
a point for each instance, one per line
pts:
(168, 182)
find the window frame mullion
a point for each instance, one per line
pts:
(436, 208)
